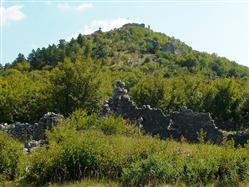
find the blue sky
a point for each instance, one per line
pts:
(216, 27)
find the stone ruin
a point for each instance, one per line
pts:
(32, 134)
(174, 125)
(187, 123)
(151, 120)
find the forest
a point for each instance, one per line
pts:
(75, 77)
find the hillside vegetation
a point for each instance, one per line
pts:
(159, 70)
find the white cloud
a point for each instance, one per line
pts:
(11, 14)
(80, 7)
(105, 25)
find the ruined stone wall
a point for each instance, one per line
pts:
(24, 131)
(187, 123)
(174, 125)
(33, 135)
(153, 121)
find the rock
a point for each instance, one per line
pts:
(47, 122)
(33, 144)
(168, 47)
(187, 123)
(36, 131)
(239, 138)
(32, 134)
(154, 122)
(120, 103)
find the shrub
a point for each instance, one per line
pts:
(205, 164)
(89, 147)
(158, 168)
(109, 125)
(10, 153)
(74, 155)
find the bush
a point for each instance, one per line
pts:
(10, 153)
(158, 168)
(85, 146)
(134, 161)
(109, 125)
(91, 154)
(205, 165)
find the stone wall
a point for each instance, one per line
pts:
(188, 123)
(25, 131)
(153, 121)
(33, 135)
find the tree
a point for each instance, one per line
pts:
(149, 90)
(75, 86)
(21, 63)
(223, 99)
(20, 59)
(24, 98)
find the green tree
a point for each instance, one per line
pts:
(149, 90)
(23, 97)
(223, 99)
(75, 86)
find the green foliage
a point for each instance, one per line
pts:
(205, 164)
(223, 99)
(24, 97)
(85, 154)
(79, 75)
(75, 86)
(156, 169)
(201, 136)
(85, 146)
(149, 90)
(10, 153)
(135, 161)
(111, 125)
(80, 121)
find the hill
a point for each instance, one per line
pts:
(132, 45)
(158, 70)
